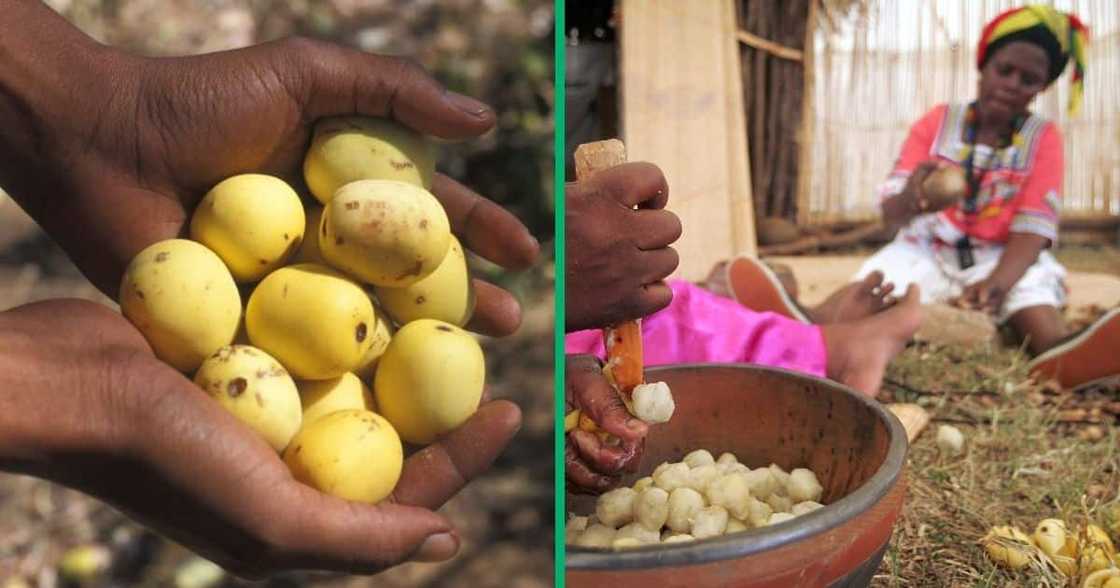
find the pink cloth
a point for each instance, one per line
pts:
(699, 326)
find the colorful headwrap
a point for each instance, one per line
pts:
(1060, 34)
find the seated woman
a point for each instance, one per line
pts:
(989, 250)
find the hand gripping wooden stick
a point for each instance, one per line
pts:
(623, 341)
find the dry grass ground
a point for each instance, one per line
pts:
(1032, 452)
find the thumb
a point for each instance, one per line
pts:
(339, 81)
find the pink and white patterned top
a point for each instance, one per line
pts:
(1020, 191)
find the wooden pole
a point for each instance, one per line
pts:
(805, 133)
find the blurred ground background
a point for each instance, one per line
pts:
(497, 50)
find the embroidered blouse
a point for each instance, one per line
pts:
(1021, 185)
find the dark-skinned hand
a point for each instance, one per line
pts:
(110, 152)
(618, 256)
(87, 404)
(987, 295)
(591, 464)
(115, 152)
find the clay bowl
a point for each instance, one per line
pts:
(765, 415)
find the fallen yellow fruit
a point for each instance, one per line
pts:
(1009, 547)
(1103, 579)
(1052, 539)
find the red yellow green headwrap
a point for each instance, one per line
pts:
(1060, 34)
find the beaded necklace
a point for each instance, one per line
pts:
(975, 178)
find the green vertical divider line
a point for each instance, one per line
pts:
(558, 126)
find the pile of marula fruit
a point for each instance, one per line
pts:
(286, 315)
(1085, 555)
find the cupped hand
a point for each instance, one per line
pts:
(594, 464)
(927, 203)
(986, 295)
(618, 256)
(150, 136)
(89, 406)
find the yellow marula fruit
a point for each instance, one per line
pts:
(84, 564)
(256, 389)
(314, 320)
(351, 454)
(446, 294)
(1009, 547)
(350, 148)
(180, 295)
(254, 222)
(1097, 536)
(1095, 550)
(322, 397)
(430, 379)
(1109, 578)
(945, 185)
(308, 251)
(1051, 538)
(385, 233)
(380, 336)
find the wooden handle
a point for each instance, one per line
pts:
(598, 156)
(622, 341)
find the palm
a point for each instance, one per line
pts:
(183, 465)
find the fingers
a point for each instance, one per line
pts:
(579, 477)
(652, 298)
(333, 80)
(496, 312)
(434, 474)
(638, 184)
(485, 227)
(329, 533)
(592, 393)
(658, 264)
(603, 457)
(659, 228)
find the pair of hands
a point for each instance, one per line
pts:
(986, 295)
(113, 159)
(618, 256)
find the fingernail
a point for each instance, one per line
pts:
(439, 547)
(467, 104)
(634, 424)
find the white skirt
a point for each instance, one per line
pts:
(936, 270)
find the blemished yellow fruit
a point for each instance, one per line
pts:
(308, 251)
(254, 222)
(183, 299)
(256, 389)
(1109, 578)
(1009, 547)
(351, 454)
(446, 294)
(313, 319)
(1051, 537)
(350, 148)
(322, 397)
(1096, 550)
(430, 380)
(380, 336)
(1097, 536)
(385, 233)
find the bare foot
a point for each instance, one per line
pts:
(859, 351)
(855, 301)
